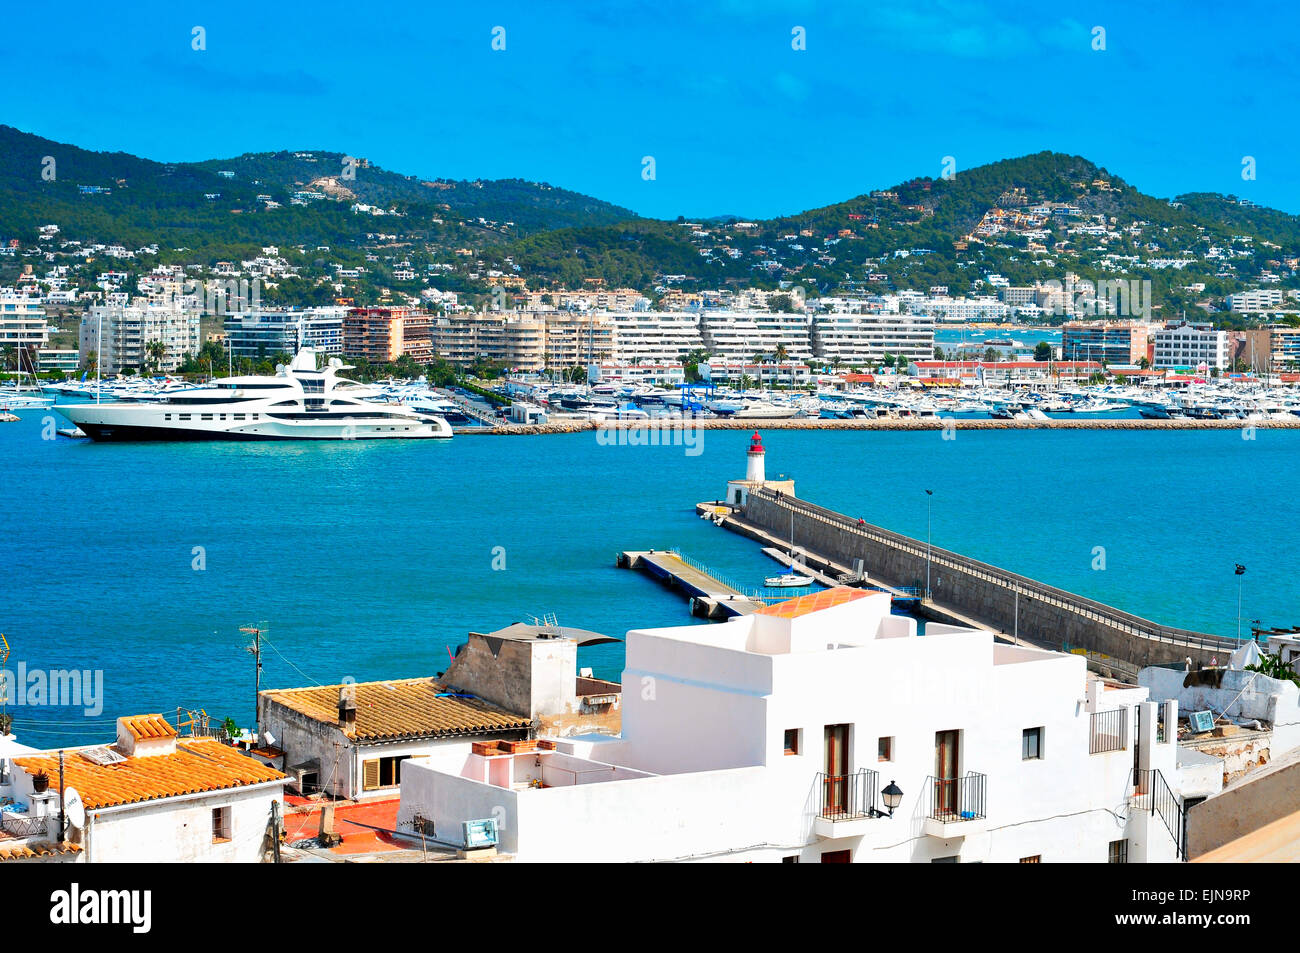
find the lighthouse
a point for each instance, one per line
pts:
(754, 459)
(756, 475)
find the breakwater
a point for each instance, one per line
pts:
(901, 423)
(998, 599)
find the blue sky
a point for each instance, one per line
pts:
(736, 120)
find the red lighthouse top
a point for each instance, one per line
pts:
(756, 443)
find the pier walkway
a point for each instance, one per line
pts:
(991, 597)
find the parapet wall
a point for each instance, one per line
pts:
(1047, 615)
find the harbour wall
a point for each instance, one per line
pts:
(889, 423)
(1046, 615)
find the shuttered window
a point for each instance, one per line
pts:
(381, 772)
(370, 775)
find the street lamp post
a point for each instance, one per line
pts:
(929, 495)
(1240, 571)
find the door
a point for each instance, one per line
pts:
(837, 770)
(946, 760)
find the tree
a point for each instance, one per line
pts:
(1144, 364)
(156, 351)
(1042, 351)
(781, 353)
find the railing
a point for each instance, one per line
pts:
(958, 799)
(1108, 731)
(1151, 792)
(847, 796)
(24, 825)
(1108, 615)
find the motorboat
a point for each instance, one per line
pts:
(789, 580)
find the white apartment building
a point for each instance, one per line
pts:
(867, 338)
(826, 729)
(1190, 345)
(739, 335)
(955, 310)
(655, 337)
(1258, 299)
(22, 322)
(120, 334)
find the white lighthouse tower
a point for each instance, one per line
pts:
(756, 475)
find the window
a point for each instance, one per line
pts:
(381, 772)
(220, 824)
(792, 859)
(1031, 744)
(792, 740)
(1117, 852)
(885, 749)
(1034, 859)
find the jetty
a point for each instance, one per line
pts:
(710, 597)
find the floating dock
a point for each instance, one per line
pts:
(711, 598)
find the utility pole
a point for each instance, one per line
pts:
(63, 814)
(929, 495)
(256, 649)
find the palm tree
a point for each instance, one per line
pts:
(758, 361)
(156, 351)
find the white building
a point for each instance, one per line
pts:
(22, 322)
(1190, 345)
(128, 330)
(778, 736)
(739, 335)
(867, 337)
(151, 797)
(1258, 299)
(655, 337)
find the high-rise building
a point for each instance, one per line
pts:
(1123, 342)
(1190, 345)
(266, 333)
(865, 338)
(123, 335)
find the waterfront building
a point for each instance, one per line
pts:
(655, 337)
(1284, 345)
(739, 335)
(865, 338)
(827, 729)
(150, 797)
(515, 339)
(350, 740)
(1004, 372)
(579, 339)
(128, 330)
(57, 361)
(1124, 342)
(382, 335)
(1190, 345)
(22, 322)
(265, 333)
(958, 310)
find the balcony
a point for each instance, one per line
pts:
(846, 803)
(957, 806)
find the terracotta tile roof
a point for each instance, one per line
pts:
(813, 602)
(198, 765)
(400, 708)
(146, 727)
(38, 849)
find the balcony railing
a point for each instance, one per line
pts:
(958, 799)
(1108, 731)
(848, 796)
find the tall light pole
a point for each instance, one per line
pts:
(929, 495)
(1240, 571)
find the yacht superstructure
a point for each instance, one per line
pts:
(299, 402)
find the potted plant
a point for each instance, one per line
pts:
(40, 782)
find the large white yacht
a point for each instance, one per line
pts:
(298, 403)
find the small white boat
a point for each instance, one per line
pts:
(790, 580)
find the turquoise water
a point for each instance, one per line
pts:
(371, 559)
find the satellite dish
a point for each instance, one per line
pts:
(73, 808)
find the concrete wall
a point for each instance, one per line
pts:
(1239, 810)
(992, 595)
(526, 677)
(1243, 694)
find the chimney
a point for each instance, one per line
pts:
(347, 707)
